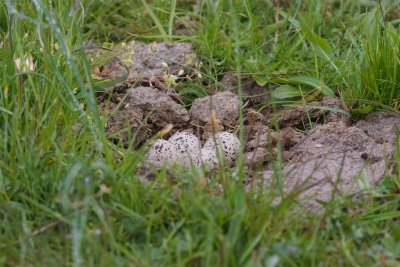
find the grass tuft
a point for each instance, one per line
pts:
(375, 78)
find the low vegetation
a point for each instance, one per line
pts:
(71, 197)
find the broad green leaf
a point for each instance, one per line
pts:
(312, 82)
(364, 110)
(286, 91)
(103, 85)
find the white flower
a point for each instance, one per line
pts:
(24, 64)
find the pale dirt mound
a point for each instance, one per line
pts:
(334, 159)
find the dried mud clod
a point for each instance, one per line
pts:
(260, 136)
(301, 116)
(208, 130)
(146, 62)
(253, 117)
(224, 104)
(143, 112)
(158, 106)
(338, 111)
(381, 126)
(290, 137)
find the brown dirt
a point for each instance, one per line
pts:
(381, 126)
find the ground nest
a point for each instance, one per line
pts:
(324, 152)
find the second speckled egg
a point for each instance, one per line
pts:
(227, 142)
(188, 147)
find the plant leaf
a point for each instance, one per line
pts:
(285, 91)
(261, 80)
(312, 82)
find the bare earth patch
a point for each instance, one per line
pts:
(334, 159)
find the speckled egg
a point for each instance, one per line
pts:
(188, 147)
(227, 142)
(162, 153)
(209, 158)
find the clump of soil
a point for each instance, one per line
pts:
(226, 108)
(382, 127)
(225, 104)
(142, 113)
(257, 157)
(158, 64)
(158, 106)
(136, 111)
